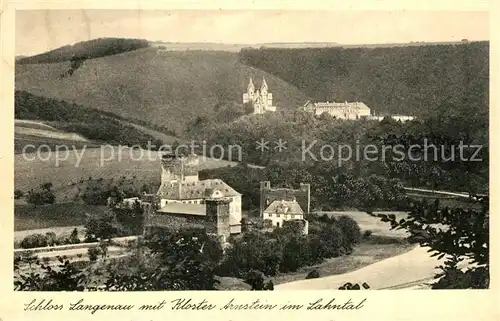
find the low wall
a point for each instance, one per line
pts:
(120, 241)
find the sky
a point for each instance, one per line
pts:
(38, 31)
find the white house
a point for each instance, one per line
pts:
(281, 211)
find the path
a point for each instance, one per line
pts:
(409, 270)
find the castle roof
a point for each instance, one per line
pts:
(284, 207)
(195, 190)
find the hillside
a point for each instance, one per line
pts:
(41, 120)
(411, 80)
(95, 48)
(159, 87)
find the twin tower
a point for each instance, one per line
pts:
(261, 100)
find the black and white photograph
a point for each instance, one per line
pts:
(251, 150)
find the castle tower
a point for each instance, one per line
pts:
(178, 169)
(218, 217)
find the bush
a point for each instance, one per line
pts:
(354, 286)
(33, 241)
(18, 194)
(44, 195)
(256, 279)
(93, 253)
(367, 234)
(51, 238)
(314, 274)
(351, 231)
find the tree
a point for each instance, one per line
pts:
(65, 277)
(73, 238)
(101, 228)
(184, 260)
(461, 236)
(255, 279)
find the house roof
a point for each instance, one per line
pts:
(284, 207)
(195, 190)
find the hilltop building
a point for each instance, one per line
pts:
(401, 118)
(345, 110)
(262, 100)
(183, 200)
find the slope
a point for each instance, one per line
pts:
(159, 87)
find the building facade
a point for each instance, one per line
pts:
(182, 197)
(268, 195)
(401, 118)
(345, 110)
(261, 99)
(280, 211)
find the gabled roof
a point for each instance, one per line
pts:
(284, 207)
(195, 190)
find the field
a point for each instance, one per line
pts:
(28, 217)
(25, 123)
(363, 255)
(64, 169)
(367, 222)
(30, 135)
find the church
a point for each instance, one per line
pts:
(261, 99)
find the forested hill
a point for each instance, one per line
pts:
(95, 48)
(412, 80)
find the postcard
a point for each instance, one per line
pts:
(248, 160)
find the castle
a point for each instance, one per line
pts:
(262, 100)
(183, 200)
(345, 110)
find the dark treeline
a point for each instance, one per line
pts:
(334, 188)
(81, 51)
(409, 80)
(90, 123)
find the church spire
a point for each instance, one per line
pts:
(264, 84)
(251, 87)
